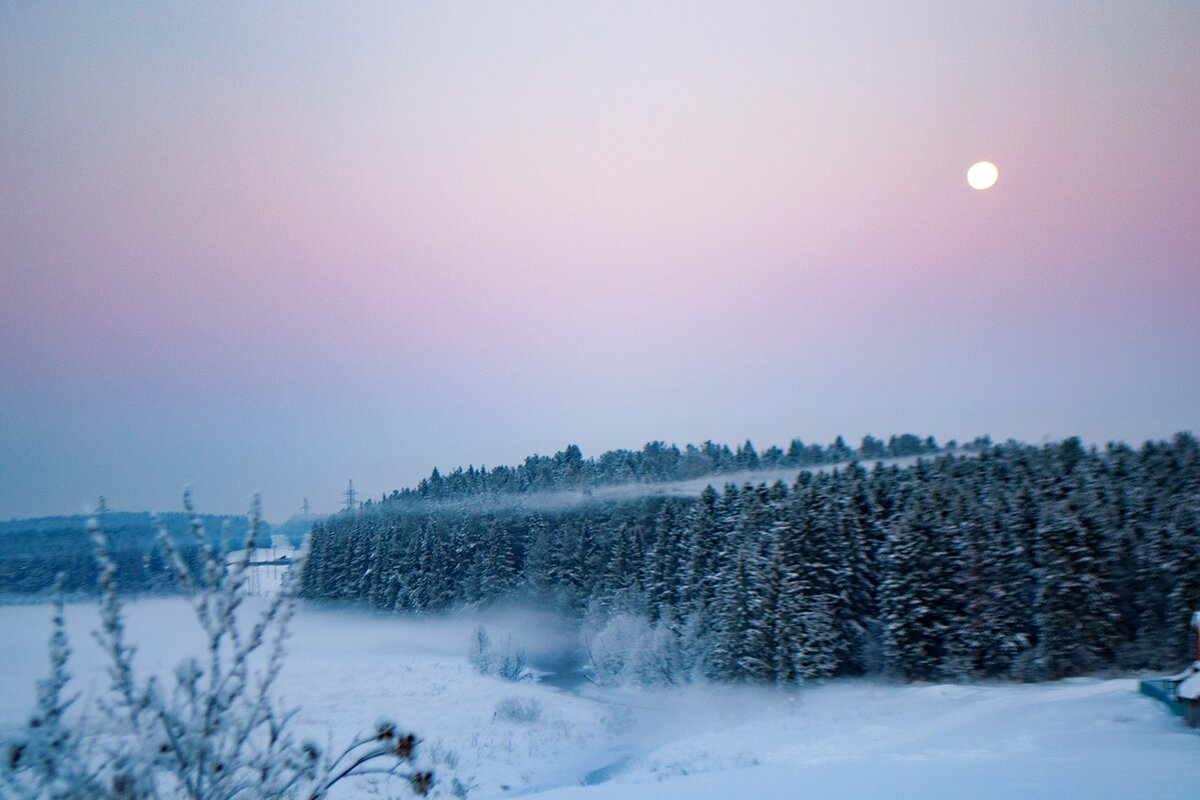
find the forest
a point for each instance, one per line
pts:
(34, 552)
(1010, 561)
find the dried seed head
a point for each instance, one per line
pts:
(403, 748)
(385, 730)
(422, 782)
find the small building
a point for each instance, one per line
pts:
(1181, 691)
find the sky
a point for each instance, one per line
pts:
(275, 247)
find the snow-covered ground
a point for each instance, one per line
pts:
(848, 739)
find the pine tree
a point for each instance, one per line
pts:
(622, 575)
(1005, 616)
(499, 562)
(701, 544)
(1073, 610)
(738, 648)
(661, 563)
(916, 592)
(1184, 565)
(807, 644)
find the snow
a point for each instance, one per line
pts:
(847, 739)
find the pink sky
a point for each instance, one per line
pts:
(280, 247)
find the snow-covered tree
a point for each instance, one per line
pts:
(916, 593)
(1074, 612)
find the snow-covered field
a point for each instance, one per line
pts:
(848, 739)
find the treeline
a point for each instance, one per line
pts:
(657, 462)
(34, 551)
(1019, 562)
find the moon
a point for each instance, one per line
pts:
(982, 175)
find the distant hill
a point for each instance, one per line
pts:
(34, 551)
(299, 526)
(656, 463)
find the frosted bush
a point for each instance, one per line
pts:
(628, 649)
(616, 648)
(506, 659)
(510, 660)
(518, 709)
(479, 650)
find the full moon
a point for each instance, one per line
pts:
(982, 175)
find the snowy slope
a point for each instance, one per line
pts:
(848, 739)
(557, 500)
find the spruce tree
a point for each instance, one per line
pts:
(916, 591)
(1073, 610)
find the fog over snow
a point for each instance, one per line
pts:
(1091, 737)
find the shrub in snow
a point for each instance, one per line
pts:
(628, 649)
(479, 650)
(506, 659)
(615, 648)
(517, 709)
(510, 660)
(217, 733)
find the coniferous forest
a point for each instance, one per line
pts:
(1009, 561)
(656, 462)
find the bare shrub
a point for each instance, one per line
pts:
(518, 709)
(510, 660)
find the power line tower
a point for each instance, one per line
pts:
(254, 587)
(101, 506)
(304, 509)
(351, 501)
